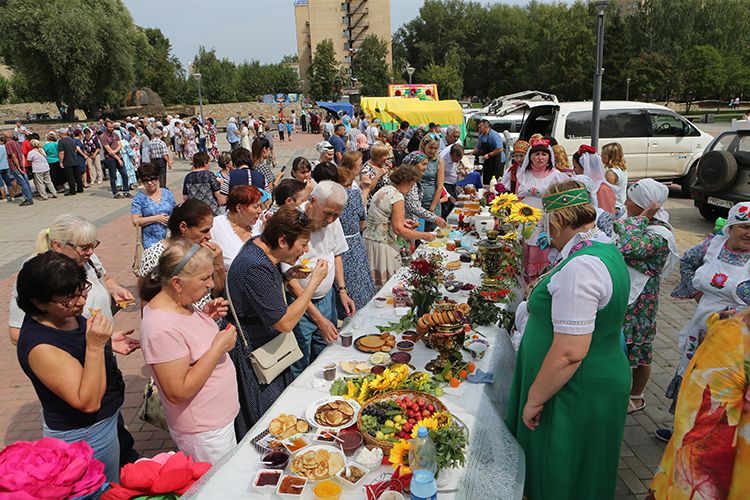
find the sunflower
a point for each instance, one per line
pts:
(443, 419)
(504, 200)
(400, 456)
(523, 213)
(430, 423)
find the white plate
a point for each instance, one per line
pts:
(310, 412)
(719, 202)
(328, 448)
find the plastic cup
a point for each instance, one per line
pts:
(329, 372)
(346, 339)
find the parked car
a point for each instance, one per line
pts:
(723, 176)
(657, 142)
(500, 121)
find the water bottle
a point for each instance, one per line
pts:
(423, 465)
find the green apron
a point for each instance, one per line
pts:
(575, 450)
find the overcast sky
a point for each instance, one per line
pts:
(240, 29)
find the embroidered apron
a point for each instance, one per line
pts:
(718, 281)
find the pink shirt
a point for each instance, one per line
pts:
(168, 336)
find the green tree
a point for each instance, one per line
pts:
(4, 89)
(370, 67)
(217, 78)
(79, 53)
(162, 72)
(701, 70)
(324, 75)
(447, 77)
(648, 73)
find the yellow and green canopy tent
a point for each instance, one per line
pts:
(392, 110)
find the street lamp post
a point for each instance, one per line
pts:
(627, 89)
(410, 71)
(200, 94)
(600, 6)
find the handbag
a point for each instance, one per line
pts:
(272, 358)
(138, 251)
(151, 410)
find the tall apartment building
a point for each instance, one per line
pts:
(345, 22)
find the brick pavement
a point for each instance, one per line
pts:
(20, 418)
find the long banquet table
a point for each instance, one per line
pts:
(495, 463)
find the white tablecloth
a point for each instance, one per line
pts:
(495, 463)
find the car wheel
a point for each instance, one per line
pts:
(709, 213)
(717, 170)
(688, 180)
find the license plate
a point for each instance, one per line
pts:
(719, 202)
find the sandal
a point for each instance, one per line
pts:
(632, 407)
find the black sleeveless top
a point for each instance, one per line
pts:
(58, 414)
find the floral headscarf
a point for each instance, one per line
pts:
(414, 158)
(738, 214)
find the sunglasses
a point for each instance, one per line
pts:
(146, 180)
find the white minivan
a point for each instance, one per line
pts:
(657, 142)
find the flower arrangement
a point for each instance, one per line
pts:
(166, 476)
(394, 378)
(50, 468)
(425, 275)
(449, 438)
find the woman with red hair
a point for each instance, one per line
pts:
(232, 229)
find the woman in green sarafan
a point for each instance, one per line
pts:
(572, 379)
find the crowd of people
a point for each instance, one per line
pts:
(247, 259)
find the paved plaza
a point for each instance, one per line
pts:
(20, 417)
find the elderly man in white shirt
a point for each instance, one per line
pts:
(317, 327)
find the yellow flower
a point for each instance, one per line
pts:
(510, 236)
(523, 213)
(363, 391)
(351, 391)
(430, 423)
(400, 456)
(504, 200)
(443, 419)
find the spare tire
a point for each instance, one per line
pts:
(717, 170)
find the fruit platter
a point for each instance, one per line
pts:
(386, 419)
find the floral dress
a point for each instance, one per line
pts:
(214, 149)
(646, 253)
(359, 284)
(722, 276)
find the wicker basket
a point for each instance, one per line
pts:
(387, 445)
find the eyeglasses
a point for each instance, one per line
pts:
(73, 299)
(146, 180)
(85, 248)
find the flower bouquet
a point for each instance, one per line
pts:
(50, 468)
(449, 435)
(425, 276)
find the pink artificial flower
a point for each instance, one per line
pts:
(165, 473)
(49, 468)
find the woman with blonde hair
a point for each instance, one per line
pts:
(616, 172)
(434, 177)
(561, 159)
(76, 237)
(571, 382)
(41, 170)
(188, 354)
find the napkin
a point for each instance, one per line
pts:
(480, 377)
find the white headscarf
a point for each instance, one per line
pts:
(738, 214)
(586, 181)
(233, 120)
(593, 169)
(646, 192)
(522, 173)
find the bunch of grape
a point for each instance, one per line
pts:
(378, 410)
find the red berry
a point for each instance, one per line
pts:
(431, 408)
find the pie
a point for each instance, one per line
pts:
(373, 343)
